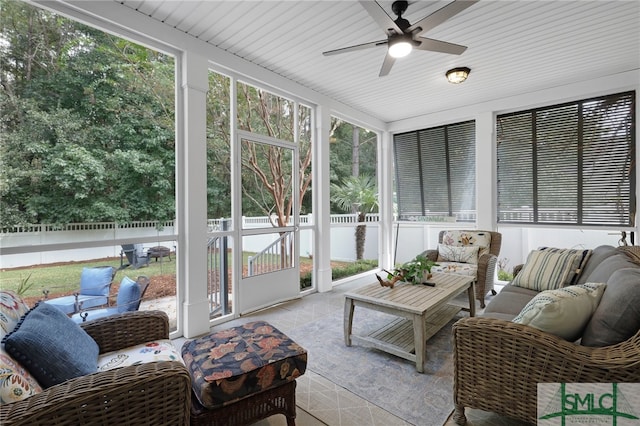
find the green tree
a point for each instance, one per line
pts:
(87, 123)
(357, 194)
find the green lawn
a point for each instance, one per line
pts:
(65, 278)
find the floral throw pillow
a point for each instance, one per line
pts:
(15, 382)
(468, 254)
(12, 308)
(459, 238)
(156, 351)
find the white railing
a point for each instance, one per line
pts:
(93, 226)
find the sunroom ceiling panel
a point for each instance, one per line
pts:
(514, 47)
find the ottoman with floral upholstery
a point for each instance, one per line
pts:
(243, 374)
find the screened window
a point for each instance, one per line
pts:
(436, 173)
(569, 164)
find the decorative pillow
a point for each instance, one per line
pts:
(51, 346)
(468, 254)
(12, 308)
(96, 281)
(15, 382)
(128, 295)
(617, 317)
(459, 238)
(547, 270)
(563, 312)
(159, 350)
(583, 257)
(598, 255)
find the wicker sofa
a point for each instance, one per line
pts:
(148, 394)
(498, 363)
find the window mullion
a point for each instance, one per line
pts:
(448, 166)
(580, 163)
(534, 161)
(421, 181)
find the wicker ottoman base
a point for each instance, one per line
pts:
(258, 406)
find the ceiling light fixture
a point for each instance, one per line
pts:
(400, 45)
(458, 75)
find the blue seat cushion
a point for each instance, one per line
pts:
(92, 314)
(51, 346)
(67, 304)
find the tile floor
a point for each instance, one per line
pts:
(320, 401)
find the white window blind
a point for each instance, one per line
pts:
(569, 164)
(435, 172)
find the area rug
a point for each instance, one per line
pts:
(385, 380)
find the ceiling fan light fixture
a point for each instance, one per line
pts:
(400, 46)
(458, 75)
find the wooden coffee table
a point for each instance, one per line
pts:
(422, 311)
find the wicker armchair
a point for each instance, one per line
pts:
(486, 264)
(498, 365)
(157, 393)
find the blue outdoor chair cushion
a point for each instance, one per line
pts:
(128, 295)
(95, 281)
(127, 300)
(51, 346)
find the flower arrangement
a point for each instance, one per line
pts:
(412, 272)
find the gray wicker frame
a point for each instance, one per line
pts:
(486, 263)
(498, 365)
(157, 393)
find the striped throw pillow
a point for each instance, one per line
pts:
(563, 312)
(583, 255)
(547, 270)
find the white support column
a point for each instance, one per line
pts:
(486, 187)
(385, 196)
(192, 199)
(321, 206)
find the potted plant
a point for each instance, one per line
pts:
(414, 272)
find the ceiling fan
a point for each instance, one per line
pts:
(402, 37)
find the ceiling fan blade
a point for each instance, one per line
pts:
(440, 15)
(355, 47)
(439, 46)
(381, 17)
(386, 65)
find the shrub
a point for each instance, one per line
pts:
(342, 271)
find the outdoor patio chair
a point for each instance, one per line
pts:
(468, 252)
(95, 284)
(130, 295)
(135, 256)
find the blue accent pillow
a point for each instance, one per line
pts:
(51, 346)
(96, 281)
(128, 295)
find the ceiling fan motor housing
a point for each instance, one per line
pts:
(399, 7)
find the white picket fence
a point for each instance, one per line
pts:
(410, 238)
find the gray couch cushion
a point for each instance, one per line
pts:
(617, 317)
(509, 302)
(608, 266)
(598, 255)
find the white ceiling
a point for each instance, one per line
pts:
(514, 47)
